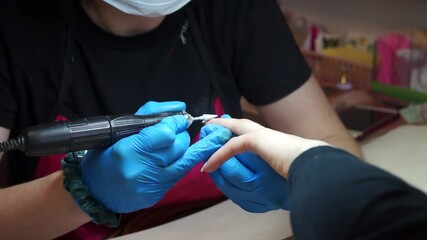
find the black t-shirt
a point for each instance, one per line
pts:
(252, 51)
(334, 195)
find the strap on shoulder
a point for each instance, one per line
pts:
(67, 12)
(223, 85)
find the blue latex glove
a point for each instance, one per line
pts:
(137, 171)
(249, 181)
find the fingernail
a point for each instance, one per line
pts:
(203, 168)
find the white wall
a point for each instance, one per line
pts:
(372, 17)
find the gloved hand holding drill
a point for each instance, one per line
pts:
(137, 171)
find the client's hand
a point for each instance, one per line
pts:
(246, 178)
(278, 149)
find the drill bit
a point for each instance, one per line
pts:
(205, 117)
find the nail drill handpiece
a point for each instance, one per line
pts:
(85, 133)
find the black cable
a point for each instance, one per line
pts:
(13, 144)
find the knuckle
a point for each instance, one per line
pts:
(245, 121)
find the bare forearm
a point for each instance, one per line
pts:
(308, 114)
(328, 129)
(345, 142)
(40, 209)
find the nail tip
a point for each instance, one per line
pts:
(204, 170)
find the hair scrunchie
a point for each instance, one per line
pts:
(73, 183)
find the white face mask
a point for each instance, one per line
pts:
(148, 8)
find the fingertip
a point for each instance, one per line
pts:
(175, 105)
(211, 128)
(217, 133)
(225, 135)
(207, 168)
(203, 169)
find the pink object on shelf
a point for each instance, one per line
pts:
(314, 32)
(387, 47)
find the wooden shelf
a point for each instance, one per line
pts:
(330, 70)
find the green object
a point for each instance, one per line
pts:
(413, 114)
(73, 183)
(405, 94)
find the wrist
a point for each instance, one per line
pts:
(81, 194)
(69, 206)
(304, 146)
(309, 144)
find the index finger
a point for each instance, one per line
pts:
(233, 147)
(237, 126)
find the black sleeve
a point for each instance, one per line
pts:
(8, 105)
(334, 195)
(252, 38)
(268, 63)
